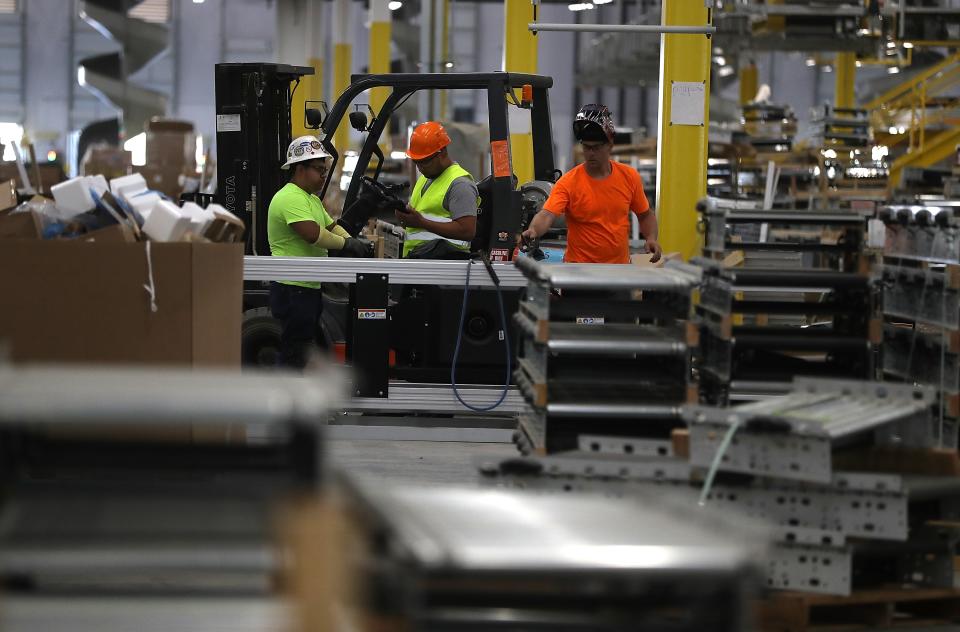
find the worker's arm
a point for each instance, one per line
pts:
(650, 232)
(463, 228)
(312, 233)
(541, 223)
(337, 229)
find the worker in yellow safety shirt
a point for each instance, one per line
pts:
(298, 225)
(441, 219)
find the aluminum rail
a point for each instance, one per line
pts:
(610, 339)
(401, 271)
(622, 28)
(599, 276)
(439, 398)
(131, 395)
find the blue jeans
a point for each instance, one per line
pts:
(298, 309)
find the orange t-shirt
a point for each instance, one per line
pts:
(597, 211)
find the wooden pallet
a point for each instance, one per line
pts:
(899, 460)
(868, 609)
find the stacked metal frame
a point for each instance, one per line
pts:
(777, 463)
(921, 303)
(449, 558)
(766, 321)
(604, 348)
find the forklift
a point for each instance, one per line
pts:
(254, 102)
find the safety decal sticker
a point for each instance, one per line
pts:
(371, 314)
(590, 320)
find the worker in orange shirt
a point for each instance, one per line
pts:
(597, 197)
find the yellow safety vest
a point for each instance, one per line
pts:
(430, 205)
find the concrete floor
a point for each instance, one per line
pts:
(419, 462)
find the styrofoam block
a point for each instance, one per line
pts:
(127, 186)
(200, 217)
(98, 183)
(166, 223)
(72, 197)
(219, 211)
(143, 203)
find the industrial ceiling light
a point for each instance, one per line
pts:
(448, 64)
(893, 70)
(393, 5)
(811, 62)
(580, 6)
(602, 1)
(908, 44)
(828, 68)
(891, 44)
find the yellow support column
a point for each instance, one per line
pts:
(380, 59)
(311, 86)
(748, 83)
(520, 55)
(445, 55)
(342, 63)
(846, 75)
(682, 147)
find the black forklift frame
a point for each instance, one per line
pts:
(500, 87)
(253, 103)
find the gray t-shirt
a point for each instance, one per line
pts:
(461, 198)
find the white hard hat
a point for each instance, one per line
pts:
(304, 148)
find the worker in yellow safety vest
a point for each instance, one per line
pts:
(441, 219)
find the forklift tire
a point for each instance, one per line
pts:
(260, 338)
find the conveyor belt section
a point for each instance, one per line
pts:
(794, 437)
(760, 325)
(928, 232)
(836, 231)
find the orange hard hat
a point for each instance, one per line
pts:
(427, 139)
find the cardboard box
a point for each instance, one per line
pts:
(23, 225)
(8, 194)
(643, 259)
(164, 178)
(86, 302)
(50, 174)
(109, 161)
(116, 234)
(171, 142)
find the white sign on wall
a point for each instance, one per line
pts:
(687, 102)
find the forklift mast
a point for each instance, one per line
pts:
(253, 104)
(501, 87)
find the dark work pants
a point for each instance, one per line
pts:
(298, 309)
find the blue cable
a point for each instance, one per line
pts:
(456, 351)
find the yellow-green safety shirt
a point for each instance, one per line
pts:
(292, 204)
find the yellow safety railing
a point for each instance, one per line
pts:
(912, 109)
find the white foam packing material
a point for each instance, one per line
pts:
(220, 212)
(128, 186)
(166, 223)
(143, 203)
(72, 197)
(99, 184)
(200, 217)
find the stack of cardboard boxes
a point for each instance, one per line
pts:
(171, 153)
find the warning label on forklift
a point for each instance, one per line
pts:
(500, 254)
(228, 122)
(500, 156)
(590, 320)
(371, 314)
